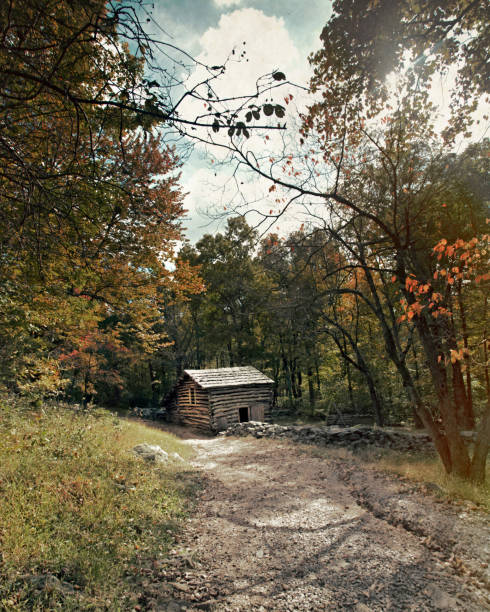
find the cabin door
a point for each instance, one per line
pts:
(257, 412)
(243, 415)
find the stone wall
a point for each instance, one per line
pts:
(352, 437)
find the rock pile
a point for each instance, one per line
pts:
(352, 437)
(155, 413)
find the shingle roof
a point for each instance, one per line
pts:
(228, 377)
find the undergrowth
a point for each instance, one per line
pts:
(79, 513)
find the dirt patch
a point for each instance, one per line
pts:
(276, 528)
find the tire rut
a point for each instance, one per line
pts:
(389, 503)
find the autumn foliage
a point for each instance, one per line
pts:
(91, 207)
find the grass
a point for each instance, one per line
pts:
(79, 514)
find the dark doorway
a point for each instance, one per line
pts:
(243, 415)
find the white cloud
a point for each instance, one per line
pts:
(268, 47)
(227, 3)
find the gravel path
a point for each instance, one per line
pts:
(277, 528)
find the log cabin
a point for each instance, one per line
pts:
(212, 400)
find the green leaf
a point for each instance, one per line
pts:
(279, 110)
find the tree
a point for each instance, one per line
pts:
(224, 317)
(392, 202)
(90, 210)
(90, 206)
(67, 59)
(107, 259)
(290, 324)
(365, 41)
(371, 151)
(386, 182)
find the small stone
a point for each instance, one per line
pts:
(181, 586)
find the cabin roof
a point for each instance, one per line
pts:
(228, 377)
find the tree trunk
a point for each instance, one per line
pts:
(469, 415)
(285, 368)
(375, 400)
(460, 460)
(154, 384)
(317, 376)
(464, 408)
(417, 421)
(311, 388)
(275, 388)
(299, 384)
(482, 446)
(349, 386)
(230, 355)
(424, 414)
(432, 333)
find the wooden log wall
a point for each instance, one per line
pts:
(191, 406)
(226, 402)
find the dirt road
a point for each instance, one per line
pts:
(278, 529)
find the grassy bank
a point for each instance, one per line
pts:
(79, 514)
(429, 469)
(418, 467)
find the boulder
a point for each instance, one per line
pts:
(151, 452)
(177, 457)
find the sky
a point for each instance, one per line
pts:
(278, 34)
(275, 35)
